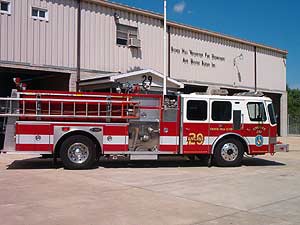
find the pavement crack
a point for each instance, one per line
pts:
(276, 202)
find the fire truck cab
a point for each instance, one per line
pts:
(81, 127)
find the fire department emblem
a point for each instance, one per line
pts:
(259, 140)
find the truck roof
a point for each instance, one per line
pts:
(234, 97)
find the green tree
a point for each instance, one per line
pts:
(293, 101)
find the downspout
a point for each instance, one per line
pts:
(78, 44)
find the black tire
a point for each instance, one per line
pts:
(228, 153)
(78, 152)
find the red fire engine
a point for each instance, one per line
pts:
(81, 127)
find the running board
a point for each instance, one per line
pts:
(143, 157)
(10, 152)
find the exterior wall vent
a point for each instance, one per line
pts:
(134, 43)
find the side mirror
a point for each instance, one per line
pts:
(237, 119)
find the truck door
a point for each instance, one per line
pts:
(257, 129)
(273, 127)
(195, 127)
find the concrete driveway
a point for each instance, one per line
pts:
(265, 190)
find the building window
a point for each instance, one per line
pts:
(40, 14)
(256, 111)
(196, 110)
(221, 111)
(125, 33)
(5, 7)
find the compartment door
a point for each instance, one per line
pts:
(34, 137)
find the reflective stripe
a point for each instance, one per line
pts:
(168, 140)
(34, 139)
(115, 140)
(121, 139)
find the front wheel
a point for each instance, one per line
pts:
(78, 152)
(228, 152)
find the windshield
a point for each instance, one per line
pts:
(272, 114)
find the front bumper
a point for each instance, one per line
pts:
(281, 147)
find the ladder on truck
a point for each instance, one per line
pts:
(69, 105)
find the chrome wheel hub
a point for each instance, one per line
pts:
(78, 153)
(229, 152)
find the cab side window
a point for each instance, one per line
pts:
(256, 111)
(221, 111)
(196, 110)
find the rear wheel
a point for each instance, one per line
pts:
(228, 152)
(78, 152)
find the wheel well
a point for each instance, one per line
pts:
(64, 137)
(239, 138)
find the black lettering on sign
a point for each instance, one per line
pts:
(196, 54)
(205, 64)
(183, 51)
(215, 57)
(207, 55)
(185, 61)
(194, 62)
(175, 50)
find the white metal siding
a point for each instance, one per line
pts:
(35, 42)
(99, 48)
(271, 70)
(224, 72)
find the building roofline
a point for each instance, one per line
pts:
(184, 26)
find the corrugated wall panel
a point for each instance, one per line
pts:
(10, 39)
(3, 36)
(17, 31)
(271, 70)
(27, 40)
(100, 51)
(23, 20)
(224, 72)
(30, 41)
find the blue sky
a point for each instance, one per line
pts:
(274, 23)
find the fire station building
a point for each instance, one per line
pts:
(93, 44)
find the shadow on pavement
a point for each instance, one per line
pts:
(248, 161)
(34, 163)
(152, 164)
(38, 163)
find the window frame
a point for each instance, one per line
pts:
(272, 115)
(197, 120)
(8, 12)
(129, 34)
(38, 17)
(211, 111)
(265, 112)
